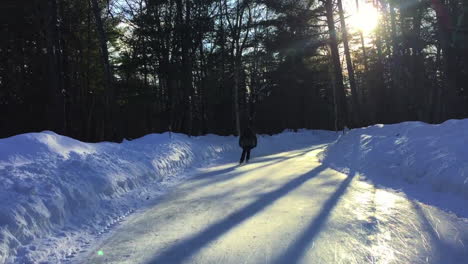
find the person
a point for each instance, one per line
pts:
(247, 141)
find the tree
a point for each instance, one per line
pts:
(105, 70)
(340, 95)
(110, 100)
(349, 66)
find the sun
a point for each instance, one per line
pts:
(366, 20)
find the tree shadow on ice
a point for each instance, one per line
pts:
(273, 156)
(183, 250)
(225, 174)
(299, 247)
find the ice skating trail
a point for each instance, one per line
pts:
(283, 208)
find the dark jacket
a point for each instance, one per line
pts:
(248, 139)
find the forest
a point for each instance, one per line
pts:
(110, 70)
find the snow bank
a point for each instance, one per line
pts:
(432, 156)
(57, 193)
(53, 186)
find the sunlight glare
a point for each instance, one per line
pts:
(366, 20)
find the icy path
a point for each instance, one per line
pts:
(284, 208)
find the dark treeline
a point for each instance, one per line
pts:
(106, 70)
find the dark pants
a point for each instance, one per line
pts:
(245, 151)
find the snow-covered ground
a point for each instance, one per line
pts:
(382, 194)
(427, 162)
(57, 194)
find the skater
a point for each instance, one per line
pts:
(247, 141)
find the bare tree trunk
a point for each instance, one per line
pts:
(333, 86)
(342, 112)
(380, 91)
(399, 111)
(452, 102)
(349, 65)
(185, 43)
(109, 100)
(237, 63)
(363, 45)
(188, 68)
(419, 102)
(436, 104)
(237, 48)
(236, 94)
(364, 86)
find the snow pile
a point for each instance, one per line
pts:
(57, 193)
(51, 186)
(432, 156)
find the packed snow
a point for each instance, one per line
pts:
(306, 195)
